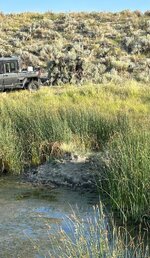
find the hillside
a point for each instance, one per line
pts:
(110, 45)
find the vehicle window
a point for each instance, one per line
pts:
(7, 67)
(13, 67)
(1, 68)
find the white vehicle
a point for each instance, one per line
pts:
(12, 77)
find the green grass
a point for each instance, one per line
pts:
(127, 176)
(107, 118)
(48, 116)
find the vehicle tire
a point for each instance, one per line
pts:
(33, 86)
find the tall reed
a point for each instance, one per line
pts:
(127, 177)
(96, 236)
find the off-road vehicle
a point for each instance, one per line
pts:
(12, 76)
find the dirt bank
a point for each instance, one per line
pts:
(75, 172)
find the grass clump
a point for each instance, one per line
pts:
(127, 178)
(10, 152)
(96, 236)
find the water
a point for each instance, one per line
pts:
(30, 216)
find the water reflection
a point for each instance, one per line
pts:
(30, 216)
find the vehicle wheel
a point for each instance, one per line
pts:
(33, 86)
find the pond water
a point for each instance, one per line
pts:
(29, 216)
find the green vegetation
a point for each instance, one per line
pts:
(112, 46)
(127, 181)
(109, 51)
(96, 237)
(110, 119)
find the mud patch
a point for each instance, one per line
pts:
(77, 172)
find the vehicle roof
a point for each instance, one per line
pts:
(14, 58)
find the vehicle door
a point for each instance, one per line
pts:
(1, 75)
(10, 74)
